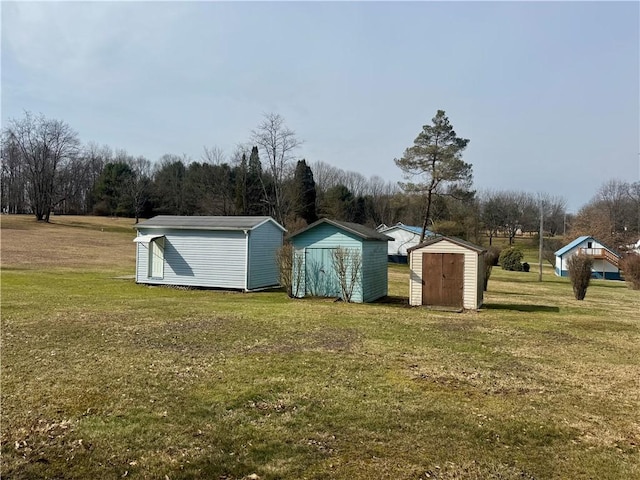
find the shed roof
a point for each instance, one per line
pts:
(578, 241)
(408, 228)
(457, 241)
(361, 231)
(203, 222)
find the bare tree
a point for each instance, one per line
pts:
(347, 264)
(555, 209)
(139, 184)
(13, 181)
(278, 142)
(213, 155)
(44, 145)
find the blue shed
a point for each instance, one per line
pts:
(316, 245)
(228, 252)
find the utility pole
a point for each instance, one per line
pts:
(540, 243)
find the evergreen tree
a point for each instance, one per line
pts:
(304, 193)
(436, 159)
(255, 186)
(241, 186)
(111, 190)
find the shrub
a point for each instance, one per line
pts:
(490, 260)
(580, 266)
(526, 267)
(631, 269)
(492, 256)
(347, 263)
(511, 258)
(290, 269)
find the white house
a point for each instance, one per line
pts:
(404, 237)
(606, 262)
(228, 252)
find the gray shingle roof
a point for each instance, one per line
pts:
(458, 241)
(206, 222)
(361, 231)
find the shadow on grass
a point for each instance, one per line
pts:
(393, 301)
(520, 307)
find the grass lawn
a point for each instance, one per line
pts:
(106, 379)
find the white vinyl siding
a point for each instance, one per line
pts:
(402, 239)
(228, 259)
(472, 292)
(264, 242)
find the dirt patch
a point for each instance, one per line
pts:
(31, 245)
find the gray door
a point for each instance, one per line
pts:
(320, 276)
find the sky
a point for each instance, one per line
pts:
(547, 92)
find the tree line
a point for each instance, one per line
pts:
(46, 169)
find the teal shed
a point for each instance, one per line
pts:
(315, 272)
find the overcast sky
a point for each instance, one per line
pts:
(548, 93)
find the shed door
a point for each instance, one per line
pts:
(443, 279)
(320, 275)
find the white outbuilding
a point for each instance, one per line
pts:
(230, 252)
(446, 272)
(403, 237)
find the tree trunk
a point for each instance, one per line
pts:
(426, 218)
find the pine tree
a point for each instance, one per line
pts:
(304, 193)
(241, 186)
(436, 159)
(256, 191)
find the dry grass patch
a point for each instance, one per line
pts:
(68, 242)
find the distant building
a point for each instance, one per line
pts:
(404, 237)
(606, 262)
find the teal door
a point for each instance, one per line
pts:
(320, 277)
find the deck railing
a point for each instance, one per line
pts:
(602, 253)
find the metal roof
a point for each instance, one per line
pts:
(361, 231)
(578, 241)
(207, 222)
(147, 238)
(571, 245)
(408, 228)
(457, 241)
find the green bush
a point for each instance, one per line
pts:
(511, 259)
(631, 270)
(580, 266)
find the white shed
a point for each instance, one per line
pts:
(446, 272)
(209, 251)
